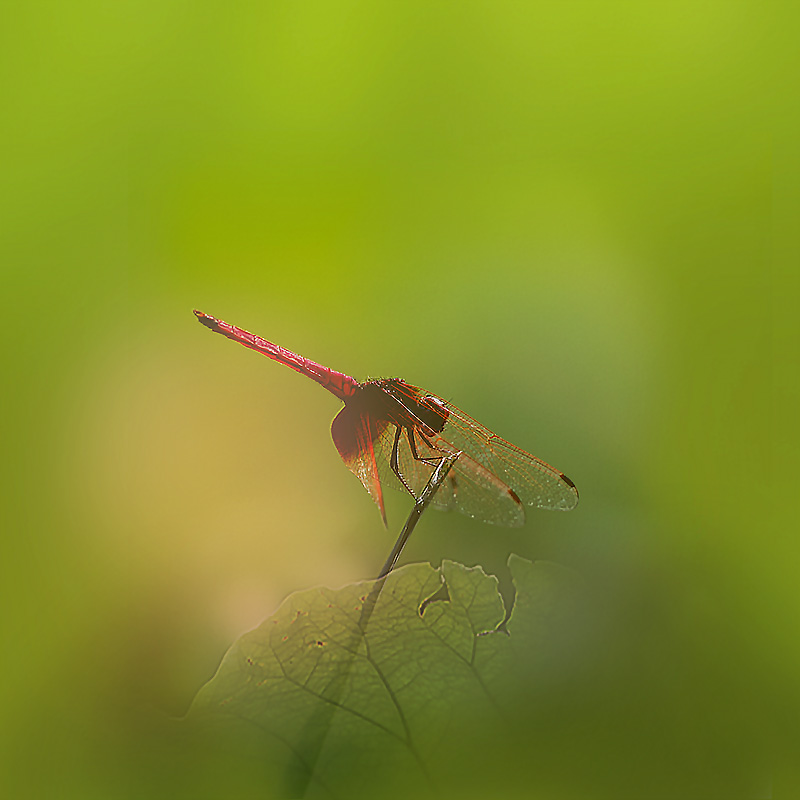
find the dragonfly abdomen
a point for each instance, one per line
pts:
(337, 383)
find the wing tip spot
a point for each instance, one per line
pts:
(569, 482)
(515, 497)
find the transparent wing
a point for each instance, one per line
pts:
(493, 478)
(469, 488)
(535, 481)
(491, 481)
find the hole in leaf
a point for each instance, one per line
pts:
(440, 596)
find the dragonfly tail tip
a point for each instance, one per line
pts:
(205, 319)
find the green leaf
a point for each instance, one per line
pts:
(332, 695)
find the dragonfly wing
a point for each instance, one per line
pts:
(354, 435)
(415, 473)
(478, 492)
(534, 481)
(469, 488)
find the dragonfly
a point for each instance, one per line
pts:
(392, 433)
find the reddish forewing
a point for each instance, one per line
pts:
(354, 435)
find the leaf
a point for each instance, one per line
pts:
(330, 695)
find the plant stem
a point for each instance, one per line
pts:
(434, 482)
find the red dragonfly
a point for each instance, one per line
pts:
(391, 433)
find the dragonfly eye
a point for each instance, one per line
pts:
(436, 412)
(435, 403)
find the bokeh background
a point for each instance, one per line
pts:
(558, 216)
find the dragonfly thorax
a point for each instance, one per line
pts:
(401, 404)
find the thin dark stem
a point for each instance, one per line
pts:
(311, 741)
(440, 472)
(435, 481)
(438, 475)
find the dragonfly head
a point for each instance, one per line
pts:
(415, 406)
(433, 412)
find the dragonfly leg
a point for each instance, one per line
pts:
(413, 445)
(394, 461)
(434, 461)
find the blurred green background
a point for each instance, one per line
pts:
(557, 216)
